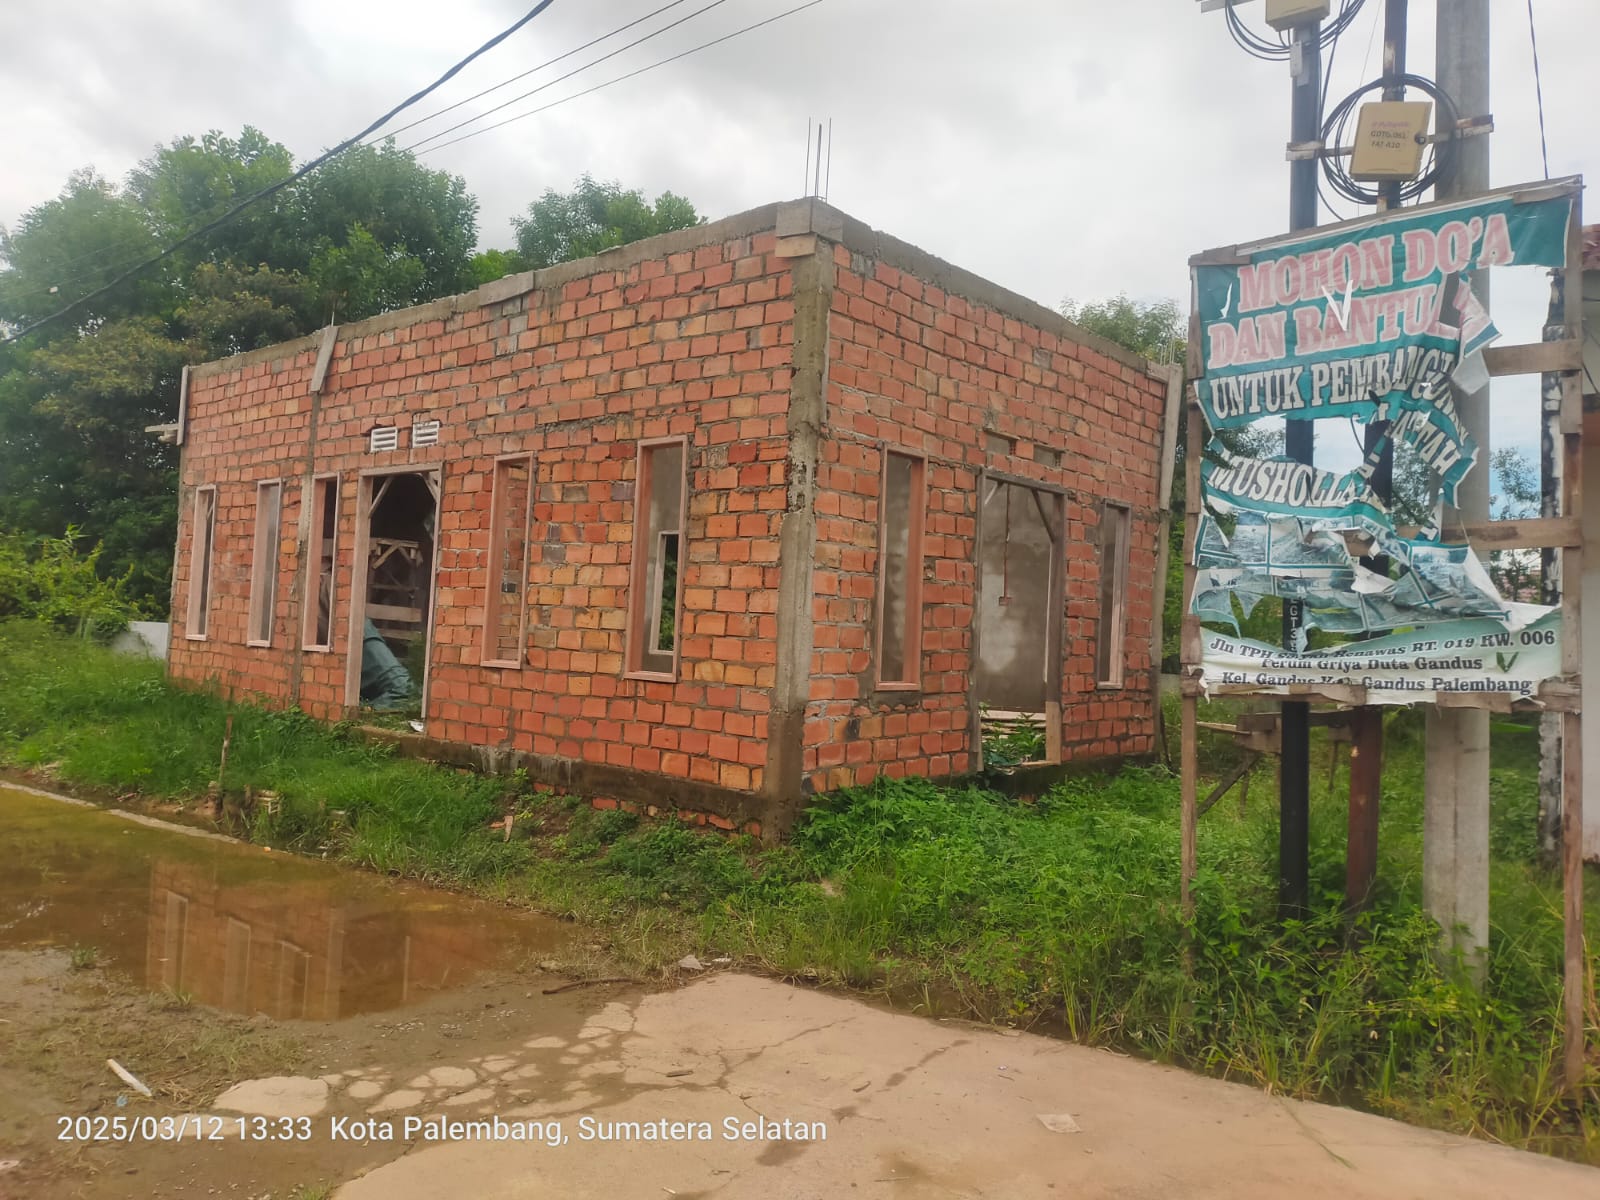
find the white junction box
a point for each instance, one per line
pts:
(1290, 14)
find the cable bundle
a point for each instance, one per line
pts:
(1338, 125)
(1257, 46)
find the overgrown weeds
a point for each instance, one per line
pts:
(1058, 914)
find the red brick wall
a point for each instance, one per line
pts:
(916, 366)
(694, 343)
(692, 335)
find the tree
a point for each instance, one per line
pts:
(370, 231)
(1155, 329)
(594, 216)
(1515, 572)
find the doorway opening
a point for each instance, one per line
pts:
(391, 617)
(1017, 683)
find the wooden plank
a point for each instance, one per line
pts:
(394, 612)
(1573, 982)
(1529, 533)
(1571, 417)
(1189, 770)
(1569, 185)
(319, 374)
(1158, 630)
(1169, 437)
(1553, 696)
(1239, 254)
(183, 408)
(1335, 693)
(1534, 358)
(1225, 784)
(1497, 702)
(1189, 651)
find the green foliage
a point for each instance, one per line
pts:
(1155, 329)
(371, 230)
(594, 216)
(489, 265)
(1006, 746)
(955, 899)
(48, 580)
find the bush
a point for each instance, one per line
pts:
(49, 580)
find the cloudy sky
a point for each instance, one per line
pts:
(1060, 147)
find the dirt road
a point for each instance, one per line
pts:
(390, 1043)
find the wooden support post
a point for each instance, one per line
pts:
(1191, 784)
(1189, 765)
(1366, 766)
(1169, 456)
(1366, 725)
(1574, 978)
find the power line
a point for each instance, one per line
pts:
(142, 244)
(272, 189)
(535, 70)
(563, 78)
(1538, 87)
(622, 78)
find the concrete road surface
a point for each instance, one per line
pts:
(894, 1108)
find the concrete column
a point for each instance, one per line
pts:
(1455, 860)
(797, 532)
(1455, 832)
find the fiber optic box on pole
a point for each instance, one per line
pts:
(1289, 14)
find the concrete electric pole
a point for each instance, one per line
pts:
(1455, 854)
(1299, 441)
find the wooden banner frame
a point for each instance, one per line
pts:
(1560, 358)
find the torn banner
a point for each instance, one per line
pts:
(1315, 562)
(1366, 322)
(1480, 656)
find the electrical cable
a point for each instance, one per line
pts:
(621, 78)
(1260, 47)
(143, 244)
(1538, 88)
(549, 62)
(1440, 157)
(563, 78)
(257, 197)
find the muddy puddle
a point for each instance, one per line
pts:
(237, 927)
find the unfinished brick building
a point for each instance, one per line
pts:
(711, 522)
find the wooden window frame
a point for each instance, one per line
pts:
(315, 547)
(264, 565)
(641, 587)
(492, 596)
(1116, 676)
(433, 475)
(917, 516)
(201, 566)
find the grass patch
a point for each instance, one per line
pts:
(1060, 913)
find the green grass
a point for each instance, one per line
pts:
(1061, 914)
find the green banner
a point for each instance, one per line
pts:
(1367, 321)
(1283, 487)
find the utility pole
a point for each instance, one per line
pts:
(1455, 821)
(1366, 734)
(1299, 440)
